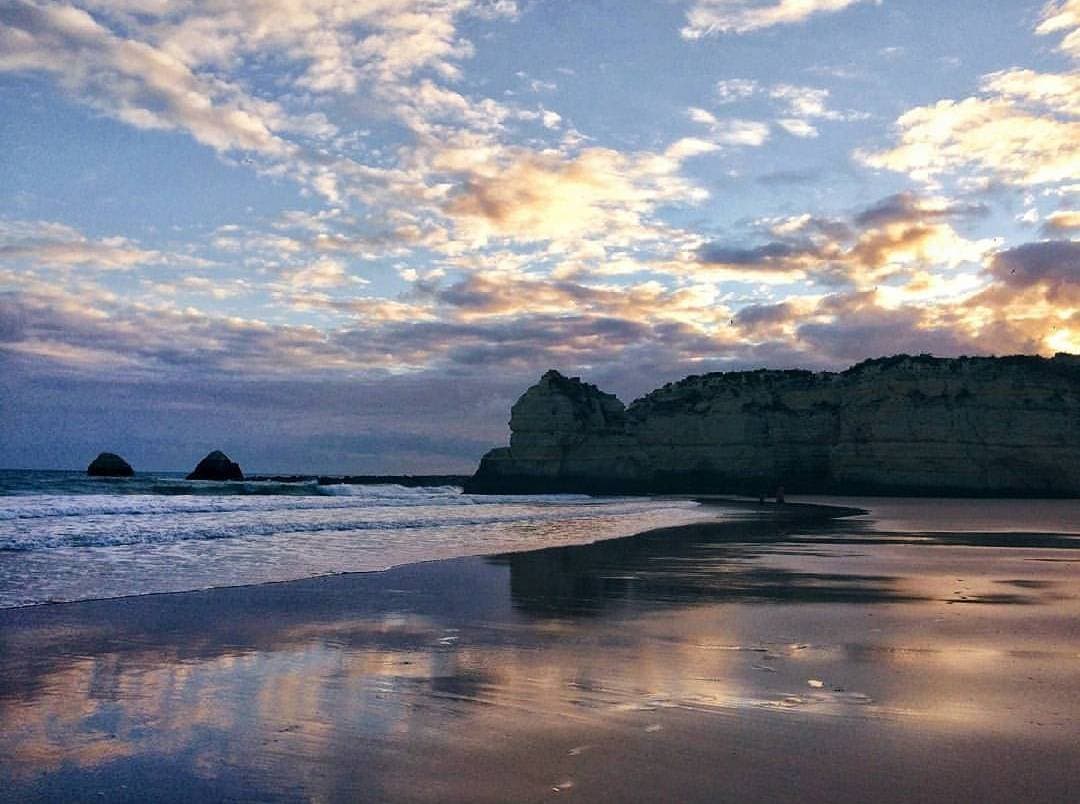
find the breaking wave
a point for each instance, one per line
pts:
(75, 538)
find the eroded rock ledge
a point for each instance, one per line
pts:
(977, 426)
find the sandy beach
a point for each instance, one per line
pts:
(895, 656)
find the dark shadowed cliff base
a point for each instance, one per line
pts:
(705, 483)
(758, 658)
(905, 426)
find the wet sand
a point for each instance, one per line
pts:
(762, 658)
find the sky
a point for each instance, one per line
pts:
(337, 237)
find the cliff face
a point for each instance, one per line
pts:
(901, 425)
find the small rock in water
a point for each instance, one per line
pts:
(216, 466)
(109, 464)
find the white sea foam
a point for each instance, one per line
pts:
(56, 546)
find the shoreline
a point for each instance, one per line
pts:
(788, 512)
(785, 511)
(794, 509)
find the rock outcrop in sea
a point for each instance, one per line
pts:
(904, 425)
(109, 464)
(216, 466)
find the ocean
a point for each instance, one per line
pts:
(65, 536)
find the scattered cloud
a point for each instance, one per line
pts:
(1023, 128)
(804, 102)
(33, 244)
(798, 105)
(894, 240)
(711, 17)
(325, 272)
(531, 196)
(731, 131)
(441, 234)
(1063, 221)
(1062, 16)
(735, 89)
(986, 137)
(1054, 264)
(136, 82)
(797, 127)
(1055, 92)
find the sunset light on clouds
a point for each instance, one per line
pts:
(344, 230)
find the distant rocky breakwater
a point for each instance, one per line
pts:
(903, 425)
(408, 481)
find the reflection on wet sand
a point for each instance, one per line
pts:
(758, 659)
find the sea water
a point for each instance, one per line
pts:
(65, 537)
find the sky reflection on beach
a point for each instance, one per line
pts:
(664, 662)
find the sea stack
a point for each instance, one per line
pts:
(109, 464)
(216, 466)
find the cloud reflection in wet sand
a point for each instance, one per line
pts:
(665, 662)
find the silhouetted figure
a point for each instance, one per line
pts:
(779, 494)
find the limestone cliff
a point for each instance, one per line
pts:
(898, 425)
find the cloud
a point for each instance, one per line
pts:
(788, 260)
(547, 196)
(1031, 306)
(323, 273)
(731, 131)
(797, 127)
(1063, 220)
(461, 180)
(499, 239)
(142, 85)
(908, 206)
(495, 316)
(983, 136)
(1054, 264)
(419, 423)
(1022, 129)
(735, 89)
(1058, 92)
(338, 45)
(889, 240)
(740, 132)
(776, 321)
(804, 101)
(491, 293)
(858, 326)
(48, 244)
(1062, 16)
(798, 104)
(710, 17)
(516, 325)
(189, 66)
